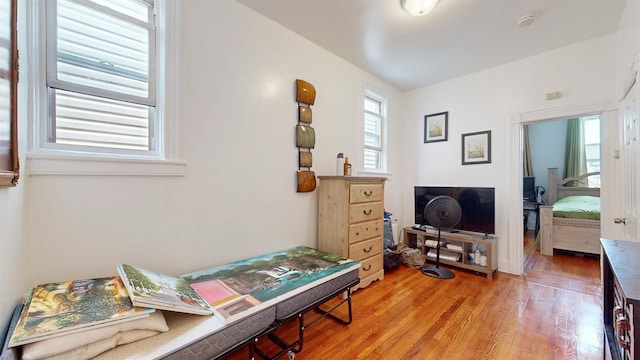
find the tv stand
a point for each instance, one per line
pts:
(464, 240)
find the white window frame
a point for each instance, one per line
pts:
(383, 131)
(594, 181)
(42, 159)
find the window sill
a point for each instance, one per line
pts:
(47, 165)
(374, 173)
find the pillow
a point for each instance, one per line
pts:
(89, 343)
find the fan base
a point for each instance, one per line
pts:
(437, 272)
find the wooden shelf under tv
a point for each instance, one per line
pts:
(467, 240)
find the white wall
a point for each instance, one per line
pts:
(486, 100)
(627, 45)
(12, 276)
(13, 272)
(547, 145)
(237, 119)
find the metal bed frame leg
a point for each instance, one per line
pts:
(295, 347)
(329, 312)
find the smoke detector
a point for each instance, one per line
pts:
(526, 20)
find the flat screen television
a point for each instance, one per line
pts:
(477, 203)
(529, 188)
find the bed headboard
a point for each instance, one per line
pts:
(561, 188)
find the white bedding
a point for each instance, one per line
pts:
(89, 343)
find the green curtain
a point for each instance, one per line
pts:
(527, 168)
(575, 156)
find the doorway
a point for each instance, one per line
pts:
(608, 114)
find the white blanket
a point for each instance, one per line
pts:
(87, 344)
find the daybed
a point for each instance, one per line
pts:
(570, 230)
(205, 337)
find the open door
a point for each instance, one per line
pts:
(627, 216)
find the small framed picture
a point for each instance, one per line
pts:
(436, 127)
(476, 148)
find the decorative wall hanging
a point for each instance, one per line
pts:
(306, 181)
(305, 136)
(305, 93)
(306, 159)
(304, 114)
(436, 127)
(476, 148)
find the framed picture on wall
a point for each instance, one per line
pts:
(436, 127)
(476, 148)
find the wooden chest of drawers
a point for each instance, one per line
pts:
(350, 222)
(621, 298)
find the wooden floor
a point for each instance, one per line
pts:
(552, 312)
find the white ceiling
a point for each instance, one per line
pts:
(459, 37)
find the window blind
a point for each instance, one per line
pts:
(5, 85)
(101, 74)
(372, 132)
(90, 121)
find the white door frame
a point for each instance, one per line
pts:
(607, 109)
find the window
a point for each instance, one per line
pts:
(9, 166)
(592, 147)
(101, 77)
(374, 126)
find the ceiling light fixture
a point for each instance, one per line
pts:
(418, 7)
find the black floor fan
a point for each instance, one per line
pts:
(442, 212)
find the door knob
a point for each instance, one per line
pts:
(620, 221)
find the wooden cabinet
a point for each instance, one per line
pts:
(462, 245)
(350, 222)
(621, 296)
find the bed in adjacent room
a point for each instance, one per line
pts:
(572, 220)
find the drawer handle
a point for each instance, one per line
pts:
(367, 250)
(368, 193)
(357, 234)
(367, 268)
(622, 325)
(367, 212)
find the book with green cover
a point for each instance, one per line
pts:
(161, 291)
(61, 308)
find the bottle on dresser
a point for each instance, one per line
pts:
(347, 167)
(340, 165)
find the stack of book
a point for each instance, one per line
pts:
(229, 292)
